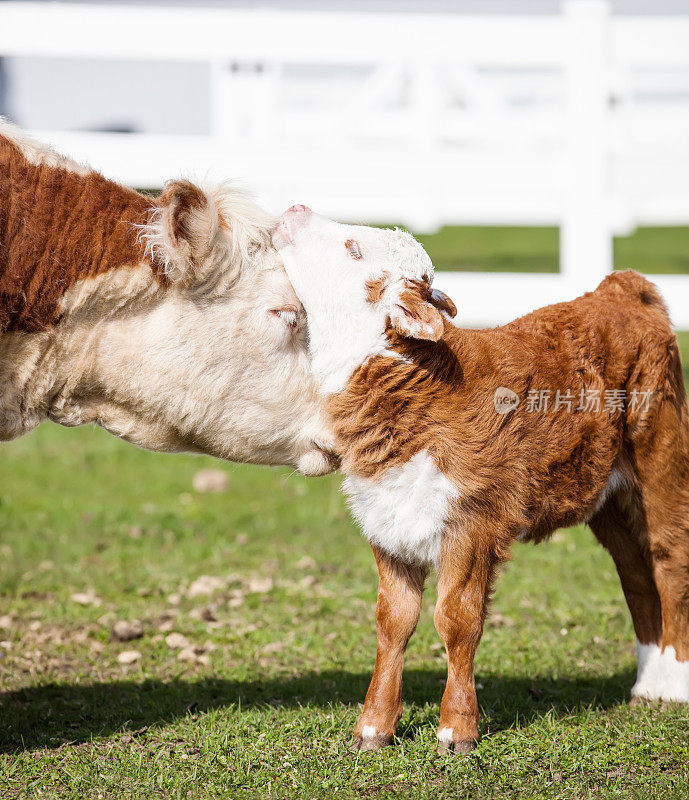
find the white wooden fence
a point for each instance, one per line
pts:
(579, 120)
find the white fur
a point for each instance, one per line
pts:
(405, 510)
(232, 227)
(336, 353)
(659, 675)
(445, 735)
(344, 328)
(338, 349)
(369, 732)
(647, 656)
(228, 377)
(172, 368)
(396, 356)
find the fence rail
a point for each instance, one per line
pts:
(579, 120)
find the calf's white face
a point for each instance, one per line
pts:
(354, 282)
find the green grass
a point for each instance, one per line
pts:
(271, 715)
(490, 249)
(289, 639)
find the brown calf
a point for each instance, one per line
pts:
(458, 442)
(524, 473)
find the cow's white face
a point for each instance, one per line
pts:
(228, 375)
(355, 281)
(214, 361)
(175, 327)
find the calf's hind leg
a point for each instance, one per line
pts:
(620, 527)
(661, 456)
(400, 590)
(653, 558)
(668, 543)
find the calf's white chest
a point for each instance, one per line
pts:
(404, 512)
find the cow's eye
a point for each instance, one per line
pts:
(288, 314)
(353, 249)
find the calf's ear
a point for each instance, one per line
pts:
(442, 302)
(184, 232)
(413, 314)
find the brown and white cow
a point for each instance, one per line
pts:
(452, 454)
(169, 321)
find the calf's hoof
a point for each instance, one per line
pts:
(459, 748)
(447, 743)
(640, 701)
(370, 740)
(655, 702)
(369, 744)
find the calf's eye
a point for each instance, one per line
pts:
(353, 249)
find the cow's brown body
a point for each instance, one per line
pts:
(57, 227)
(525, 473)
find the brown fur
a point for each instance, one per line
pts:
(525, 474)
(116, 309)
(184, 200)
(416, 307)
(58, 226)
(442, 302)
(398, 607)
(376, 287)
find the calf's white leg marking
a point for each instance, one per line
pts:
(445, 735)
(659, 675)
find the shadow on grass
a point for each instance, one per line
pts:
(55, 714)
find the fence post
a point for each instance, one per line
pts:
(425, 105)
(243, 98)
(586, 233)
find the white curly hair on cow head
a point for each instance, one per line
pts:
(202, 238)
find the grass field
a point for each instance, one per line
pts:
(649, 250)
(290, 643)
(278, 655)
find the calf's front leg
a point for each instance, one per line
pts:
(465, 574)
(400, 589)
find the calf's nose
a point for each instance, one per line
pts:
(299, 209)
(295, 218)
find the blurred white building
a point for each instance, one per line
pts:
(572, 113)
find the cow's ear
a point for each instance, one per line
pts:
(184, 232)
(411, 312)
